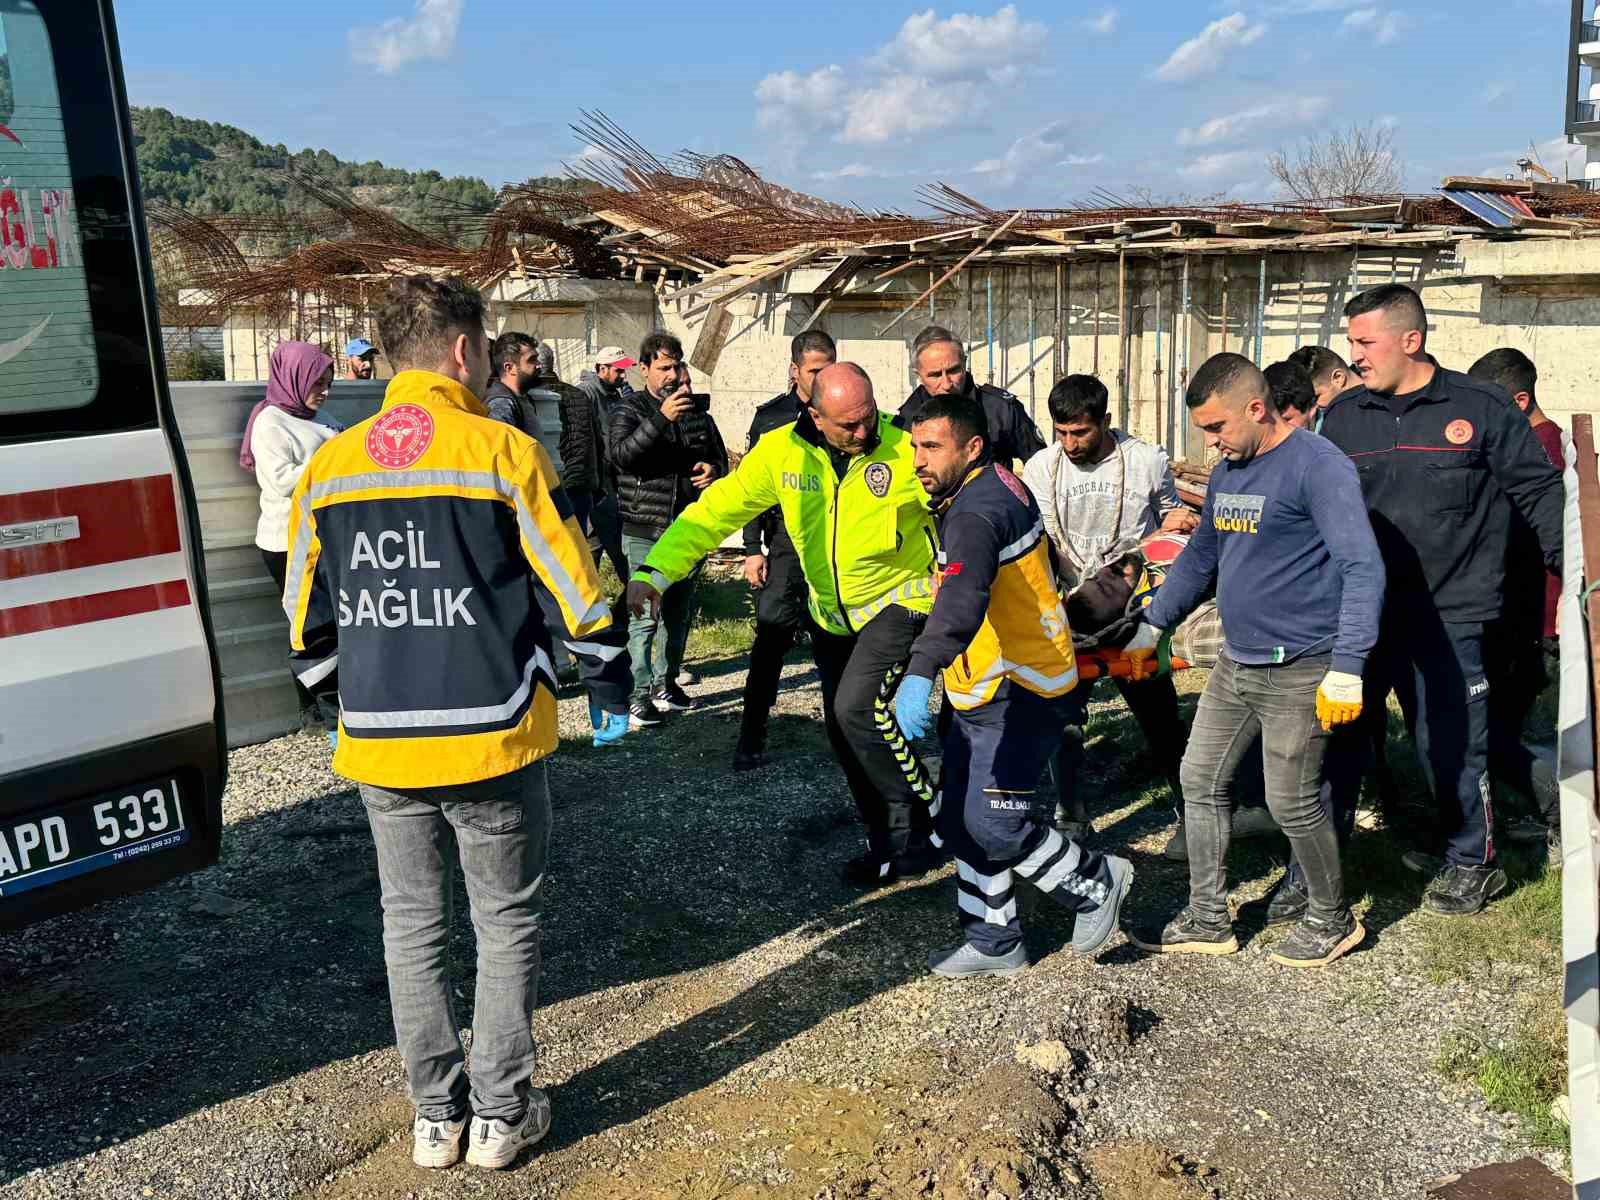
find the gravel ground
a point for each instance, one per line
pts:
(720, 1018)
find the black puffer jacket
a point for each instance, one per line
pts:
(654, 457)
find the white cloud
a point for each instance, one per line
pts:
(1103, 22)
(1382, 25)
(925, 78)
(429, 33)
(1299, 8)
(1229, 162)
(1205, 53)
(788, 98)
(1081, 160)
(1233, 126)
(1028, 153)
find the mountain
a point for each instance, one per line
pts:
(208, 168)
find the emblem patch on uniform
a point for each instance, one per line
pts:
(1458, 432)
(1018, 489)
(400, 436)
(878, 477)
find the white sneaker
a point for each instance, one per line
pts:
(436, 1144)
(495, 1143)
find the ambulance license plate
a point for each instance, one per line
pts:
(87, 835)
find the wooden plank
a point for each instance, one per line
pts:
(713, 337)
(905, 266)
(953, 271)
(808, 252)
(840, 275)
(1589, 524)
(1483, 183)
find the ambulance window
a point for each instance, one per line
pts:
(72, 287)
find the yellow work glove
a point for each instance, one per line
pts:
(1141, 652)
(1338, 699)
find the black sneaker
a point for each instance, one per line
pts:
(1189, 933)
(672, 698)
(1314, 943)
(751, 750)
(1459, 891)
(642, 715)
(1287, 902)
(869, 871)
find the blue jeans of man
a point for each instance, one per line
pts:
(1278, 705)
(656, 642)
(989, 818)
(501, 828)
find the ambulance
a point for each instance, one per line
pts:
(112, 754)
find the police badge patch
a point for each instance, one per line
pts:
(878, 477)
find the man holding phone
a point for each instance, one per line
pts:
(666, 450)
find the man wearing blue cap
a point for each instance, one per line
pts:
(360, 359)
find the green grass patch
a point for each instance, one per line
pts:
(724, 619)
(1522, 928)
(1524, 1076)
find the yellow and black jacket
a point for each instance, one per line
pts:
(997, 614)
(421, 545)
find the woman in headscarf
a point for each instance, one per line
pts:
(279, 440)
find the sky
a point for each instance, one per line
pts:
(1031, 103)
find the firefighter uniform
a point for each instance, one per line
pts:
(999, 633)
(418, 542)
(866, 545)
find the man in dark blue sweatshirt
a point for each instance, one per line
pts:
(1285, 542)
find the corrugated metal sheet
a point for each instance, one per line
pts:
(1495, 209)
(252, 634)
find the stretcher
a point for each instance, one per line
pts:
(1193, 643)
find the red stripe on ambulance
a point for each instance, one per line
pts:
(102, 606)
(117, 521)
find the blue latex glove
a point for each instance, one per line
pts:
(597, 715)
(612, 729)
(911, 706)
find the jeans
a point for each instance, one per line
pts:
(859, 674)
(656, 643)
(501, 829)
(1278, 703)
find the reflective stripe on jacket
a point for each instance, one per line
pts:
(417, 540)
(998, 614)
(865, 539)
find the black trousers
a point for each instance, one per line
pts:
(1154, 704)
(322, 701)
(860, 673)
(780, 614)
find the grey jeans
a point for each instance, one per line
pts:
(501, 829)
(1278, 703)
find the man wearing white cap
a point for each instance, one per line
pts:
(594, 499)
(360, 359)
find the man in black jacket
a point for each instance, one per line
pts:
(941, 366)
(1444, 459)
(666, 452)
(604, 384)
(771, 565)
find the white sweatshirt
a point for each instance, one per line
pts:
(283, 445)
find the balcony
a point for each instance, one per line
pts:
(1588, 35)
(1584, 122)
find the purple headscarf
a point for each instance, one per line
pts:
(294, 367)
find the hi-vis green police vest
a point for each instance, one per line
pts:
(865, 540)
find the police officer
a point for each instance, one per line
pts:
(1444, 460)
(770, 563)
(842, 477)
(999, 634)
(941, 366)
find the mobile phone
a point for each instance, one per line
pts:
(702, 401)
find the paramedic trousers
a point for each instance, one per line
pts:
(859, 673)
(1154, 704)
(1436, 668)
(501, 830)
(322, 698)
(780, 614)
(657, 641)
(993, 757)
(1274, 707)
